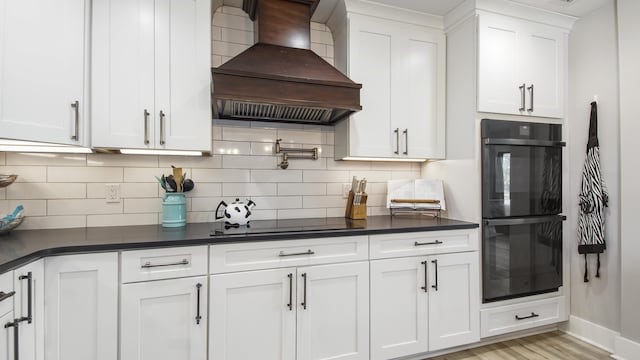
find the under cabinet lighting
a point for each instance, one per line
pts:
(160, 152)
(31, 146)
(383, 159)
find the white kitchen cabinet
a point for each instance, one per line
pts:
(324, 307)
(8, 329)
(402, 70)
(164, 319)
(253, 315)
(81, 307)
(520, 67)
(43, 47)
(151, 84)
(29, 309)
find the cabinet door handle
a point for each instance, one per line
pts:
(522, 96)
(425, 287)
(290, 304)
(148, 264)
(16, 340)
(437, 242)
(435, 262)
(530, 88)
(4, 296)
(146, 127)
(308, 252)
(304, 291)
(397, 131)
(76, 110)
(29, 317)
(198, 317)
(161, 127)
(406, 141)
(533, 315)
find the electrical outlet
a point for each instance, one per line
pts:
(112, 193)
(345, 190)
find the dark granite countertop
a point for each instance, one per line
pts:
(23, 246)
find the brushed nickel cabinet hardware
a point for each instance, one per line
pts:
(29, 317)
(435, 262)
(148, 264)
(530, 88)
(290, 304)
(146, 127)
(308, 252)
(522, 96)
(16, 340)
(304, 291)
(406, 141)
(162, 127)
(198, 317)
(76, 110)
(437, 242)
(397, 132)
(426, 286)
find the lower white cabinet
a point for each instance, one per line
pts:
(421, 304)
(164, 319)
(29, 309)
(304, 313)
(81, 307)
(8, 330)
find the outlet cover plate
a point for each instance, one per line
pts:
(112, 193)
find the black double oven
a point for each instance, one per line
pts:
(521, 206)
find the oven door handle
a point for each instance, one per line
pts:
(523, 142)
(524, 221)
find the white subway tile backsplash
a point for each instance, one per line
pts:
(216, 33)
(301, 213)
(322, 37)
(204, 203)
(249, 189)
(3, 158)
(320, 49)
(248, 162)
(372, 176)
(31, 207)
(122, 160)
(335, 212)
(302, 189)
(26, 173)
(216, 60)
(277, 202)
(144, 174)
(53, 222)
(323, 201)
(399, 175)
(46, 159)
(263, 214)
(84, 174)
(240, 22)
(137, 206)
(276, 176)
(236, 133)
(34, 191)
(122, 219)
(232, 10)
(221, 175)
(318, 26)
(296, 137)
(234, 148)
(326, 176)
(260, 148)
(307, 164)
(204, 189)
(237, 36)
(82, 207)
(186, 162)
(228, 49)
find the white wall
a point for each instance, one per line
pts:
(629, 46)
(593, 70)
(62, 190)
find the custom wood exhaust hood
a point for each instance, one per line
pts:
(280, 78)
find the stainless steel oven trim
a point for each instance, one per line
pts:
(523, 142)
(524, 221)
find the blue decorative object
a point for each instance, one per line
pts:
(174, 210)
(12, 220)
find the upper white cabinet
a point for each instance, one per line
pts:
(151, 74)
(520, 67)
(81, 307)
(402, 70)
(43, 53)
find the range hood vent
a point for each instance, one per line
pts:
(280, 78)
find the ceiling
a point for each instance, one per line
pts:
(441, 7)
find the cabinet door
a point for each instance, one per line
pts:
(372, 56)
(183, 73)
(29, 286)
(253, 315)
(122, 109)
(399, 307)
(42, 47)
(422, 123)
(545, 57)
(6, 339)
(500, 65)
(454, 300)
(81, 311)
(333, 312)
(164, 320)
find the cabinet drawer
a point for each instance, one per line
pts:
(156, 264)
(6, 287)
(274, 254)
(423, 243)
(506, 319)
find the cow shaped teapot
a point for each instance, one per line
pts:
(235, 214)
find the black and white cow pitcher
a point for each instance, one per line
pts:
(235, 214)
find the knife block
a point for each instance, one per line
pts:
(353, 211)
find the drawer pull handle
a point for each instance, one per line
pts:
(437, 242)
(435, 262)
(4, 296)
(16, 340)
(304, 294)
(29, 317)
(148, 264)
(198, 317)
(533, 315)
(290, 304)
(308, 252)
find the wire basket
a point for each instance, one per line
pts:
(7, 225)
(6, 180)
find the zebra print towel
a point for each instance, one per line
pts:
(593, 199)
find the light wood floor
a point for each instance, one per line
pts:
(554, 345)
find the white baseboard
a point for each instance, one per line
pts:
(602, 337)
(626, 349)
